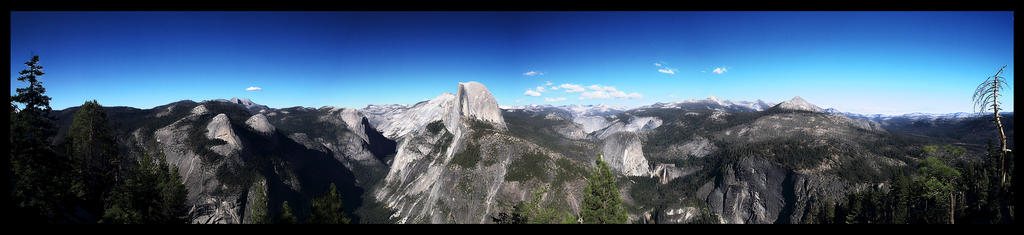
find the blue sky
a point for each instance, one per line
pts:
(864, 62)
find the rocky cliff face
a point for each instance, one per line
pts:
(756, 191)
(249, 105)
(457, 174)
(259, 123)
(475, 101)
(220, 176)
(397, 122)
(220, 128)
(624, 154)
(751, 192)
(199, 176)
(258, 191)
(460, 159)
(634, 124)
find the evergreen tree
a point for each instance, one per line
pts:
(153, 194)
(173, 194)
(93, 151)
(853, 209)
(532, 212)
(327, 208)
(260, 214)
(601, 201)
(900, 196)
(514, 216)
(38, 175)
(286, 214)
(828, 212)
(539, 214)
(938, 181)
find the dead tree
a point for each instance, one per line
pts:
(986, 98)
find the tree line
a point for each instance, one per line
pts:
(944, 188)
(601, 204)
(82, 178)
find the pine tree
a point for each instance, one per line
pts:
(938, 181)
(514, 215)
(535, 213)
(173, 194)
(153, 194)
(327, 208)
(260, 214)
(829, 212)
(601, 201)
(93, 151)
(286, 214)
(39, 176)
(853, 211)
(900, 196)
(532, 212)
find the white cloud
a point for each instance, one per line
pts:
(665, 69)
(602, 88)
(533, 73)
(519, 100)
(610, 95)
(720, 70)
(572, 88)
(541, 89)
(253, 88)
(595, 95)
(554, 99)
(548, 83)
(554, 87)
(531, 93)
(608, 92)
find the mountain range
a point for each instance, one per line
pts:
(460, 158)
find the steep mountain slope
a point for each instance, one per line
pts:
(459, 158)
(463, 165)
(221, 149)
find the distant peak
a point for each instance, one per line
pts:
(241, 101)
(474, 100)
(248, 104)
(472, 84)
(798, 103)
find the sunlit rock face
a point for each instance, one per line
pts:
(624, 153)
(475, 101)
(220, 128)
(798, 103)
(259, 123)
